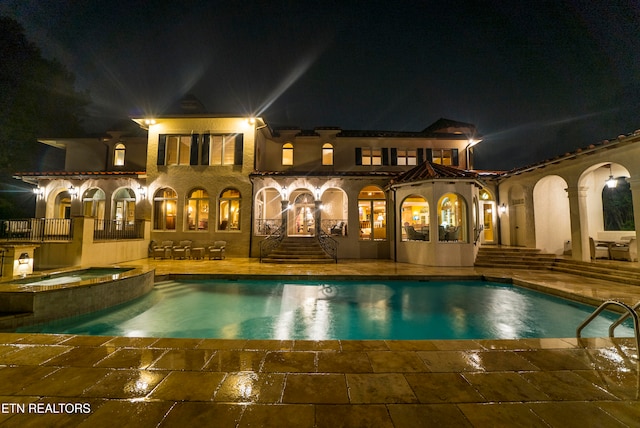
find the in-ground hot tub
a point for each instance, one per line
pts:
(42, 298)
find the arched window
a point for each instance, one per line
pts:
(327, 154)
(93, 204)
(287, 154)
(414, 215)
(118, 154)
(452, 218)
(63, 205)
(164, 209)
(229, 210)
(617, 206)
(197, 215)
(372, 212)
(124, 206)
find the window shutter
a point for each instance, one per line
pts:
(420, 154)
(193, 159)
(237, 156)
(394, 156)
(385, 156)
(204, 156)
(430, 155)
(454, 157)
(162, 148)
(358, 156)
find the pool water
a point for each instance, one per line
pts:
(320, 310)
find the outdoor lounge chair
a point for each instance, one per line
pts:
(598, 250)
(182, 250)
(338, 229)
(627, 251)
(163, 250)
(217, 250)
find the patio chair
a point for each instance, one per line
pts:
(217, 250)
(182, 250)
(599, 250)
(163, 250)
(338, 229)
(627, 251)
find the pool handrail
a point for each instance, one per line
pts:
(630, 312)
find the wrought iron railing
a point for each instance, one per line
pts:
(37, 229)
(334, 226)
(272, 242)
(117, 229)
(329, 245)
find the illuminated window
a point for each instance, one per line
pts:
(406, 157)
(229, 210)
(371, 156)
(372, 213)
(197, 215)
(414, 214)
(164, 209)
(118, 154)
(327, 154)
(222, 149)
(124, 207)
(178, 149)
(452, 218)
(287, 154)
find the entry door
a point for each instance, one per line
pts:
(303, 215)
(488, 210)
(519, 226)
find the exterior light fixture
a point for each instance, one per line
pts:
(142, 191)
(73, 191)
(317, 193)
(38, 191)
(611, 182)
(149, 121)
(283, 193)
(503, 208)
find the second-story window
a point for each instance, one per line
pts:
(222, 149)
(178, 149)
(118, 154)
(371, 156)
(406, 157)
(327, 154)
(445, 156)
(287, 154)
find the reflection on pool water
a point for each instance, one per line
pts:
(320, 310)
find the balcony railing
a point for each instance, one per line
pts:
(117, 229)
(37, 229)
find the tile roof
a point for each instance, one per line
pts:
(432, 171)
(78, 173)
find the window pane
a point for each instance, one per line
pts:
(216, 150)
(229, 149)
(184, 150)
(172, 150)
(118, 158)
(376, 157)
(327, 154)
(287, 154)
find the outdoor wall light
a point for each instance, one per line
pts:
(283, 193)
(611, 182)
(24, 259)
(317, 193)
(73, 191)
(142, 191)
(149, 121)
(503, 208)
(38, 191)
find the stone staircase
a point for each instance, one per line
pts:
(600, 269)
(513, 258)
(298, 250)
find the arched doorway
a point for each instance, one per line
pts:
(303, 215)
(551, 212)
(487, 212)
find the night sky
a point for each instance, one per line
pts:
(538, 78)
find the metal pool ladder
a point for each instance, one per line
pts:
(631, 312)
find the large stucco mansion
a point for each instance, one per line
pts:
(406, 196)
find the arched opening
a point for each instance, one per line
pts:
(287, 154)
(229, 210)
(267, 211)
(487, 215)
(165, 203)
(452, 218)
(124, 207)
(334, 211)
(372, 213)
(551, 212)
(93, 203)
(119, 154)
(414, 217)
(62, 205)
(303, 214)
(197, 210)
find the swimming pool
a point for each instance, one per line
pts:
(70, 277)
(348, 310)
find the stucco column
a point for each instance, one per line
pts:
(579, 223)
(285, 208)
(635, 197)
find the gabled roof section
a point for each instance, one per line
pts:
(432, 171)
(450, 127)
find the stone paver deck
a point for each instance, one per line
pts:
(66, 380)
